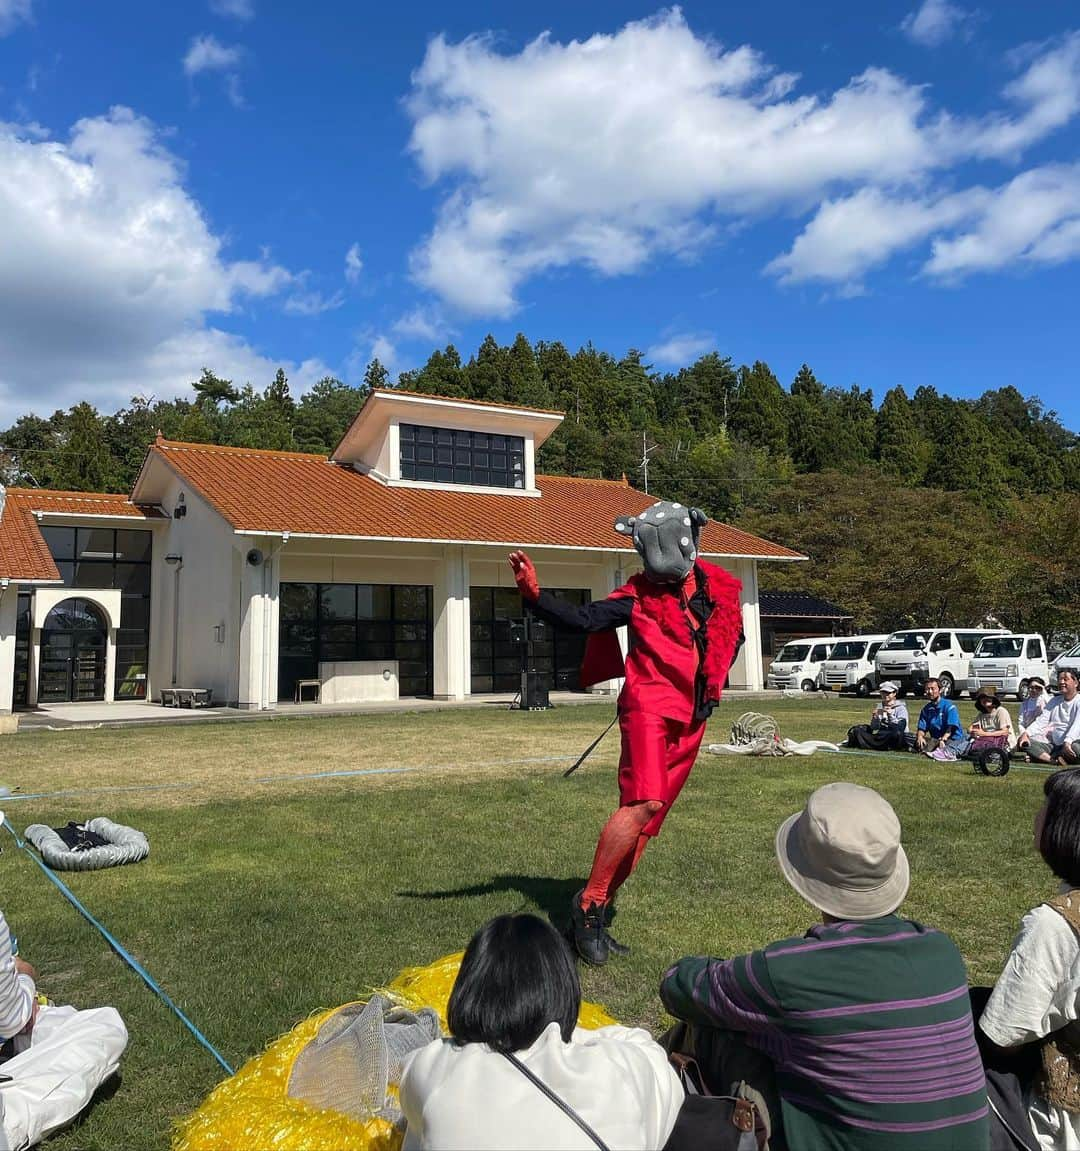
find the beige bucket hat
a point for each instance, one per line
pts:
(842, 852)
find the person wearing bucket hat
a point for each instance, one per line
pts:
(865, 1021)
(992, 719)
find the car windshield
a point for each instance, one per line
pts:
(1001, 646)
(793, 651)
(905, 641)
(849, 649)
(969, 640)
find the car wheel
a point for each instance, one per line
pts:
(808, 685)
(1022, 690)
(863, 688)
(947, 684)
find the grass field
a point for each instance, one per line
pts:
(275, 887)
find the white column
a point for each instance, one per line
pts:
(451, 608)
(9, 599)
(747, 671)
(110, 664)
(257, 687)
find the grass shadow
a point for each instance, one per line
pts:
(551, 895)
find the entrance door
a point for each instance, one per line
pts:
(74, 642)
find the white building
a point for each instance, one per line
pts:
(379, 572)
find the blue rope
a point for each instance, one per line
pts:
(120, 950)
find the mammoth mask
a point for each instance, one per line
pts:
(666, 538)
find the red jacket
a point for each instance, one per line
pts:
(668, 671)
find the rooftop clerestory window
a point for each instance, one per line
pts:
(456, 456)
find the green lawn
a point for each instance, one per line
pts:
(264, 900)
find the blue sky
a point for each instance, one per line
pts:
(889, 192)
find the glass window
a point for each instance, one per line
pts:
(941, 642)
(96, 544)
(905, 641)
(819, 653)
(1034, 649)
(373, 601)
(134, 546)
(337, 601)
(411, 602)
(61, 542)
(132, 579)
(298, 601)
(849, 649)
(969, 640)
(460, 456)
(93, 573)
(792, 652)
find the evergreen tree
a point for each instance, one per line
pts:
(325, 412)
(760, 411)
(900, 448)
(84, 463)
(524, 382)
(485, 375)
(375, 375)
(442, 374)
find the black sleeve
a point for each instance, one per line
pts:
(600, 615)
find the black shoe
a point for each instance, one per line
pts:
(589, 935)
(614, 945)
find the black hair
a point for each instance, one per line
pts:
(1059, 843)
(932, 679)
(518, 975)
(981, 699)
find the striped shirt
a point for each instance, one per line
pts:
(16, 991)
(868, 1025)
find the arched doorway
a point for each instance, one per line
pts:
(74, 647)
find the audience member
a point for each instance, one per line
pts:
(517, 994)
(992, 718)
(865, 1020)
(1060, 740)
(888, 723)
(939, 732)
(60, 1055)
(1037, 995)
(1032, 720)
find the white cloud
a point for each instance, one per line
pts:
(207, 54)
(311, 303)
(234, 9)
(1034, 219)
(13, 12)
(111, 271)
(614, 151)
(681, 349)
(934, 22)
(353, 264)
(421, 324)
(849, 236)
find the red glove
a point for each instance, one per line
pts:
(525, 574)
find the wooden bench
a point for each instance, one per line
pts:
(298, 691)
(187, 696)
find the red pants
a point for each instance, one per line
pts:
(657, 755)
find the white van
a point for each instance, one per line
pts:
(798, 663)
(913, 656)
(1007, 662)
(1070, 659)
(850, 666)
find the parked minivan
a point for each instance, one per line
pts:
(798, 663)
(1007, 662)
(913, 656)
(850, 666)
(1070, 659)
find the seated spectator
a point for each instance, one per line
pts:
(1060, 740)
(1032, 722)
(1037, 994)
(992, 718)
(888, 723)
(939, 732)
(517, 993)
(865, 1020)
(60, 1056)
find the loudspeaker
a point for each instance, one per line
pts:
(534, 691)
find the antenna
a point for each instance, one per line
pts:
(646, 450)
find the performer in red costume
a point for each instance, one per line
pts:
(684, 626)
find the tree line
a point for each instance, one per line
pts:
(922, 509)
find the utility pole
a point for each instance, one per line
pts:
(646, 450)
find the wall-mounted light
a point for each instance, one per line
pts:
(181, 508)
(172, 559)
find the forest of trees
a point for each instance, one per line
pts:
(922, 509)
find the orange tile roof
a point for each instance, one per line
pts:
(267, 491)
(24, 555)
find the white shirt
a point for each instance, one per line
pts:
(1063, 719)
(617, 1079)
(1033, 717)
(1038, 992)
